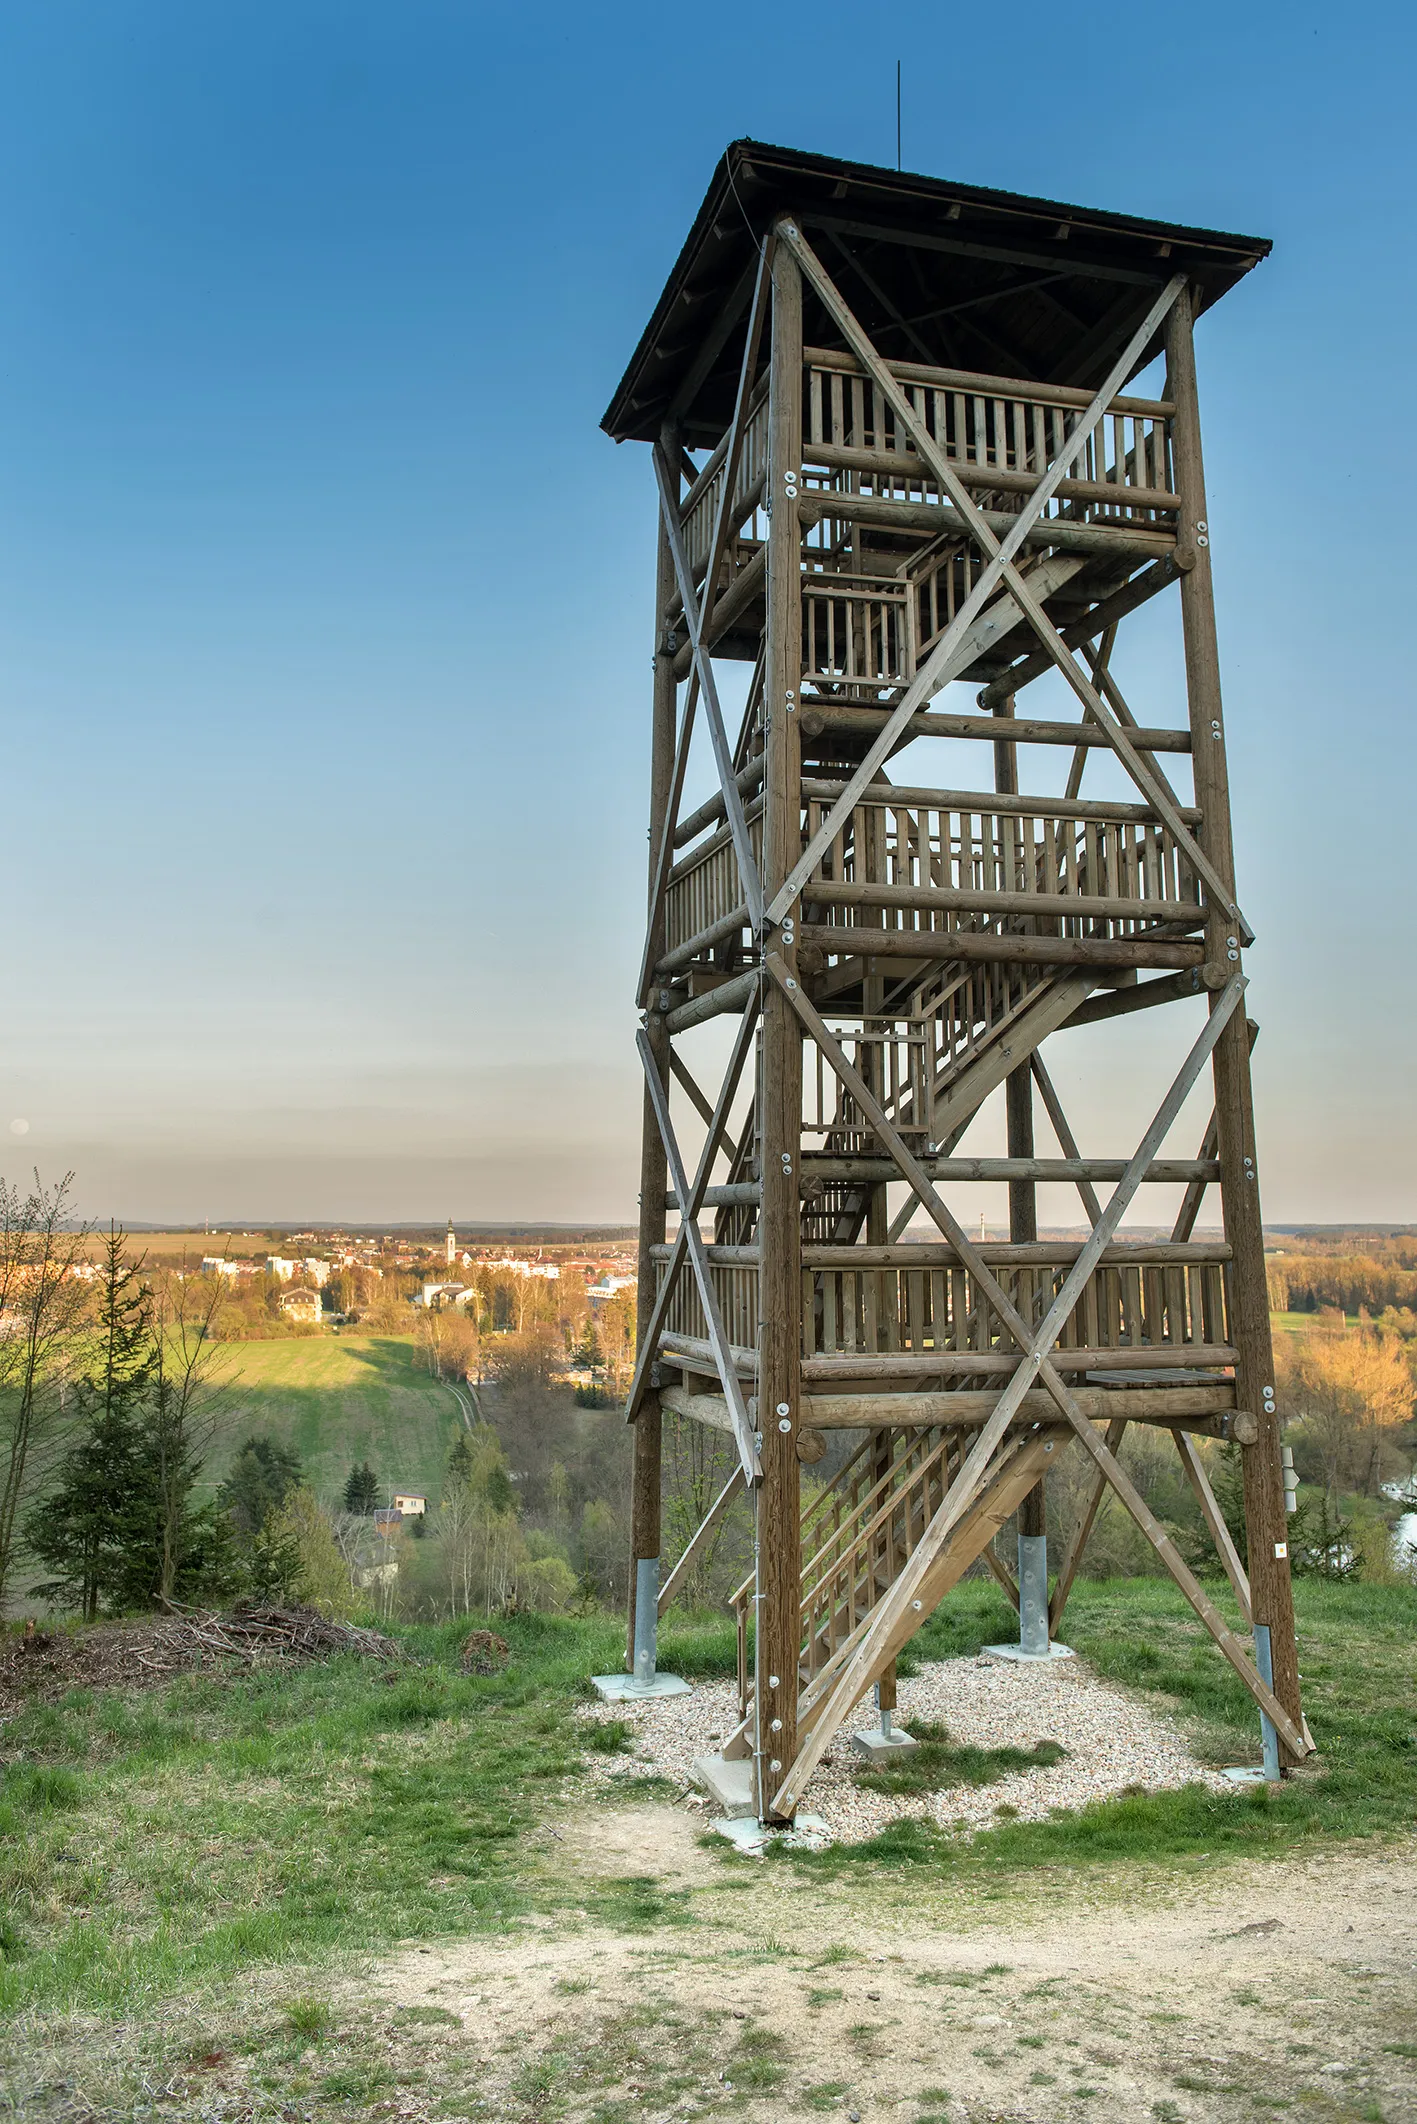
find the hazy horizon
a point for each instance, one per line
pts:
(324, 604)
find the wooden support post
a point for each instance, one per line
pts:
(1265, 1523)
(780, 1088)
(1018, 1097)
(654, 1171)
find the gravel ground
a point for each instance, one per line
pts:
(1113, 1742)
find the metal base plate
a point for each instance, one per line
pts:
(1246, 1774)
(878, 1747)
(624, 1689)
(1028, 1659)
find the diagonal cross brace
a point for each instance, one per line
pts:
(1155, 789)
(729, 472)
(1000, 565)
(708, 687)
(1034, 1365)
(936, 670)
(690, 1205)
(664, 859)
(693, 1241)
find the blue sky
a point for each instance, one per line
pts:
(324, 605)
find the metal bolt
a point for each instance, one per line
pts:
(776, 1726)
(784, 1423)
(784, 1408)
(773, 1682)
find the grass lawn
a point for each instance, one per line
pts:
(156, 1841)
(339, 1399)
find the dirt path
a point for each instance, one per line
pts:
(750, 1990)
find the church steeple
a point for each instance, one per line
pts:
(451, 1246)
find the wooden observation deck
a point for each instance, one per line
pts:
(896, 451)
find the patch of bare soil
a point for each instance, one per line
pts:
(751, 1990)
(42, 1664)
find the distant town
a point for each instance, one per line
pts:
(332, 1277)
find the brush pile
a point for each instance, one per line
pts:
(143, 1653)
(255, 1634)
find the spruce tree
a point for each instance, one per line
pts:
(86, 1528)
(259, 1480)
(361, 1492)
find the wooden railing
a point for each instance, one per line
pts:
(924, 859)
(857, 630)
(862, 1316)
(896, 1057)
(735, 1290)
(701, 501)
(1170, 1299)
(859, 1532)
(705, 887)
(942, 859)
(1000, 433)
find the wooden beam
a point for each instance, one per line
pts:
(712, 1519)
(984, 947)
(1215, 1520)
(939, 519)
(718, 1340)
(646, 1471)
(1121, 1002)
(1206, 1412)
(1006, 805)
(1104, 614)
(852, 719)
(727, 996)
(827, 1165)
(779, 1502)
(1067, 1142)
(714, 1140)
(1266, 1523)
(956, 899)
(708, 688)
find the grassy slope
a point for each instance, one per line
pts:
(339, 1399)
(155, 1840)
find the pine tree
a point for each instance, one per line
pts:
(361, 1492)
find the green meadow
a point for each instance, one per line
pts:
(338, 1399)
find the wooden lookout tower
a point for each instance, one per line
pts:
(900, 479)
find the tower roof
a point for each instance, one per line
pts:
(951, 274)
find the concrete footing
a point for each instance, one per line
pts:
(729, 1784)
(881, 1747)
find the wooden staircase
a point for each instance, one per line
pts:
(882, 1544)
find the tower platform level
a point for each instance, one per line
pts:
(916, 447)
